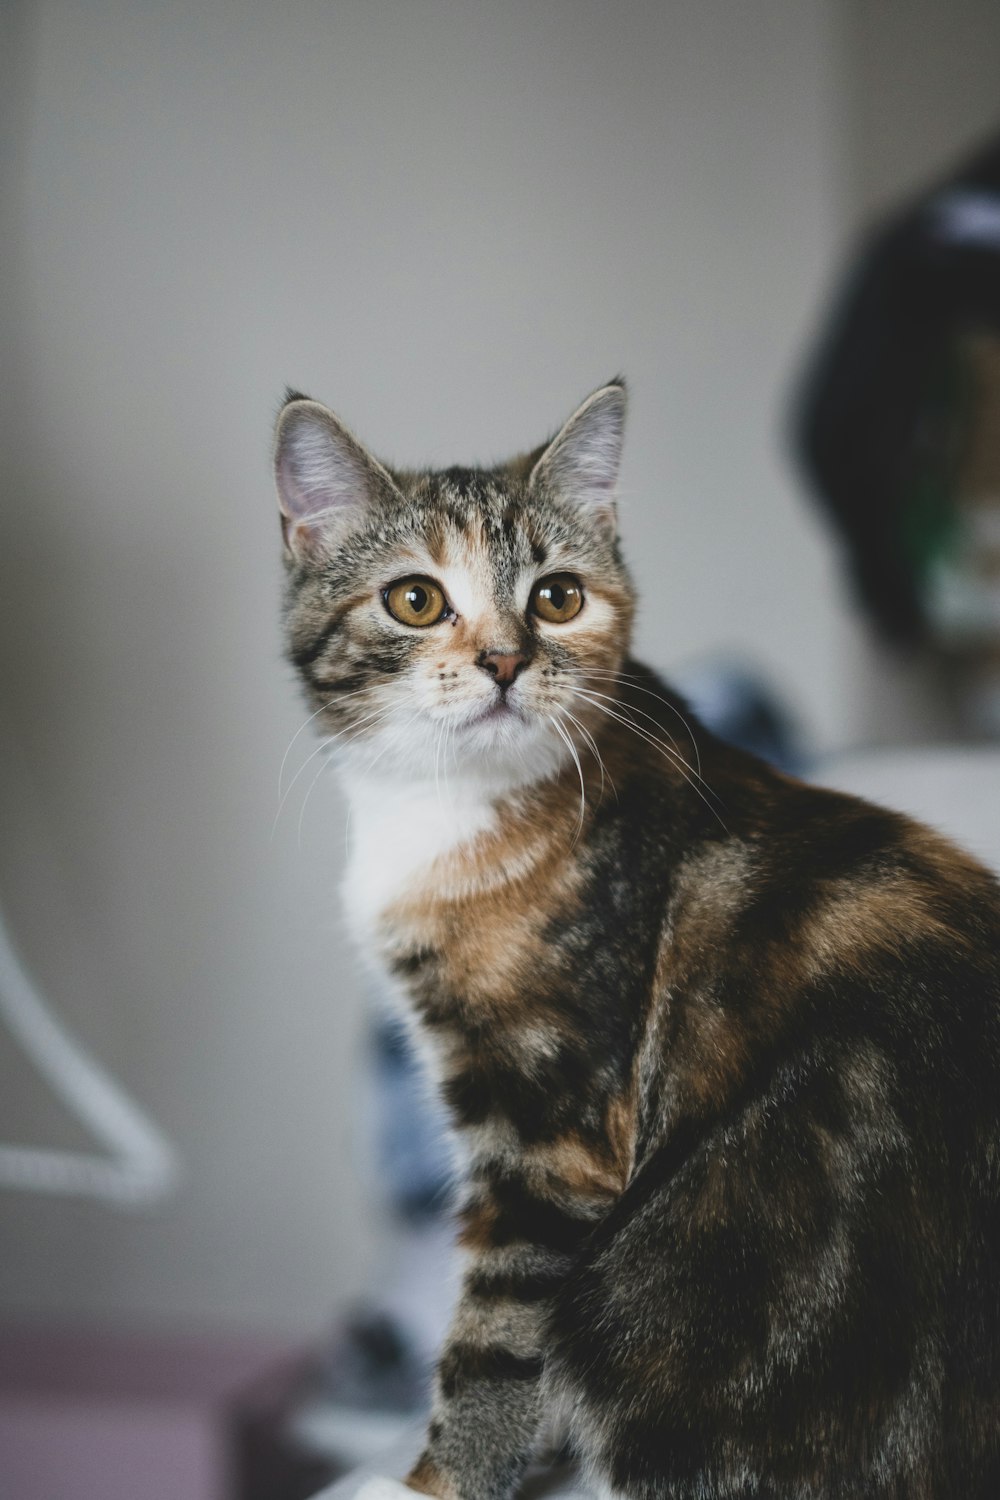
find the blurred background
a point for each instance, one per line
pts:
(449, 222)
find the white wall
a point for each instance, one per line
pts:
(921, 91)
(450, 221)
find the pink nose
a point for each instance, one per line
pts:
(503, 666)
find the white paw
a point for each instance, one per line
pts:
(381, 1488)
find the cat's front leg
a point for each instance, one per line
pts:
(487, 1410)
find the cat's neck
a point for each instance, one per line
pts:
(401, 829)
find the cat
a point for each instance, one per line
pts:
(722, 1049)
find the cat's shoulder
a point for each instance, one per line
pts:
(832, 877)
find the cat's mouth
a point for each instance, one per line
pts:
(499, 708)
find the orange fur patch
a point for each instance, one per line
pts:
(426, 1478)
(477, 1225)
(569, 1162)
(862, 918)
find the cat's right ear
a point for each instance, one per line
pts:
(323, 474)
(581, 462)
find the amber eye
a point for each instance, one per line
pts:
(415, 601)
(558, 598)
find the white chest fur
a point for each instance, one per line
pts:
(397, 831)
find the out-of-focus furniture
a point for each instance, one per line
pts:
(93, 1416)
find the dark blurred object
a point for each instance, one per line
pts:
(734, 701)
(898, 421)
(373, 1367)
(369, 1385)
(268, 1461)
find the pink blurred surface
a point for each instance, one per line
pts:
(94, 1416)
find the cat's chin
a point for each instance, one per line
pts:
(503, 728)
(509, 763)
(502, 748)
(498, 711)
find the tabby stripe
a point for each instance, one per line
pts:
(518, 1286)
(390, 659)
(348, 684)
(466, 1094)
(466, 1363)
(413, 960)
(306, 655)
(522, 1215)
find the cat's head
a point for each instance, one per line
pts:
(443, 622)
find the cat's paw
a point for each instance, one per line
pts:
(379, 1487)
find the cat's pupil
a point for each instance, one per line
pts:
(557, 594)
(416, 598)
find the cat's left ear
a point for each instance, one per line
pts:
(324, 476)
(582, 461)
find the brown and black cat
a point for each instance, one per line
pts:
(723, 1049)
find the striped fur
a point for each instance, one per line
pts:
(723, 1049)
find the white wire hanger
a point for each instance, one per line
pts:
(139, 1166)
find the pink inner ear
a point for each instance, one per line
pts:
(300, 499)
(304, 506)
(582, 461)
(320, 469)
(323, 477)
(288, 494)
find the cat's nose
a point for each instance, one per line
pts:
(503, 666)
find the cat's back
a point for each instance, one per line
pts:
(833, 877)
(822, 919)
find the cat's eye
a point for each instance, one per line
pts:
(415, 601)
(557, 598)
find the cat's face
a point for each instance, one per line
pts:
(445, 623)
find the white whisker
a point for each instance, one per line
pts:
(338, 698)
(632, 679)
(438, 737)
(666, 751)
(324, 744)
(592, 743)
(617, 703)
(324, 766)
(400, 731)
(560, 731)
(449, 746)
(304, 725)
